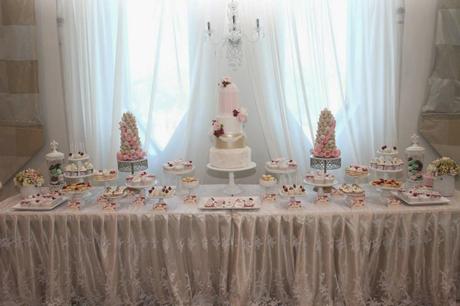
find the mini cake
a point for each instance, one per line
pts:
(293, 190)
(390, 150)
(76, 187)
(357, 170)
(325, 146)
(161, 191)
(351, 189)
(267, 180)
(114, 191)
(323, 178)
(281, 163)
(190, 182)
(105, 175)
(140, 179)
(178, 165)
(78, 156)
(130, 144)
(387, 183)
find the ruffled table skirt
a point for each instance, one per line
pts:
(317, 255)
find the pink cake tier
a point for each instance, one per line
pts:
(130, 146)
(325, 146)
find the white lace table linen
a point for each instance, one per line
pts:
(316, 255)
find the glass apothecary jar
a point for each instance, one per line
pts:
(415, 155)
(55, 161)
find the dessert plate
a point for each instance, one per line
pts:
(233, 203)
(51, 206)
(440, 201)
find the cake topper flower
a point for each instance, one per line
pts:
(226, 81)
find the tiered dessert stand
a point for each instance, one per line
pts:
(79, 162)
(386, 192)
(232, 188)
(178, 175)
(284, 175)
(358, 199)
(323, 164)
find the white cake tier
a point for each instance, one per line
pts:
(231, 125)
(230, 158)
(228, 98)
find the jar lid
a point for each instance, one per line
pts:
(54, 154)
(415, 147)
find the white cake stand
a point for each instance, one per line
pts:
(232, 188)
(284, 174)
(178, 174)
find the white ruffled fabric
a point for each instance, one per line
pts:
(317, 255)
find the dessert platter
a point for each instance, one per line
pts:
(114, 192)
(355, 195)
(161, 193)
(229, 152)
(140, 180)
(41, 201)
(322, 183)
(178, 167)
(78, 166)
(386, 186)
(292, 192)
(190, 183)
(105, 175)
(419, 196)
(131, 158)
(283, 167)
(231, 203)
(387, 161)
(77, 192)
(267, 182)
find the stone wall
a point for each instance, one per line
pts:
(21, 131)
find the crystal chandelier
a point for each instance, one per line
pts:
(234, 38)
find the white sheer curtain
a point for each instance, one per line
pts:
(343, 55)
(152, 58)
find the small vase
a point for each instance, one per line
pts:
(444, 184)
(29, 190)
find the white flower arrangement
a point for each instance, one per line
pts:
(28, 178)
(443, 166)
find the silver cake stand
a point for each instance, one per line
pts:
(132, 166)
(231, 187)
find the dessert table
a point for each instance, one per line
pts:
(315, 255)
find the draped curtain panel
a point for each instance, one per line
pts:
(155, 59)
(440, 117)
(21, 133)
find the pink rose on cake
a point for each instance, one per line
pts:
(217, 128)
(241, 114)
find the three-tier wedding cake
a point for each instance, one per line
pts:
(229, 150)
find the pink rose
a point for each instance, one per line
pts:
(242, 118)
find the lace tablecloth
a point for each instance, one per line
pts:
(316, 255)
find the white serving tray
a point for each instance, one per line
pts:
(440, 201)
(230, 205)
(52, 206)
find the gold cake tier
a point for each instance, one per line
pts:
(236, 141)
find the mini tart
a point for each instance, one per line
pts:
(357, 170)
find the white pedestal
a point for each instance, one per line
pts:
(231, 187)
